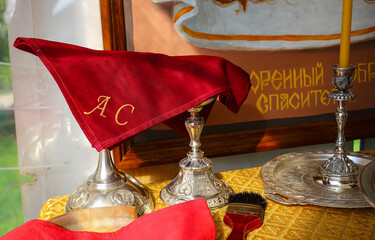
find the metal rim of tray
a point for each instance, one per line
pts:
(288, 180)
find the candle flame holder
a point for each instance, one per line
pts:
(195, 179)
(107, 186)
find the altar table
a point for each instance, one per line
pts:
(280, 221)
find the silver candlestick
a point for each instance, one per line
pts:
(107, 186)
(323, 178)
(195, 179)
(339, 171)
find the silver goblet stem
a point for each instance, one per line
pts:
(339, 171)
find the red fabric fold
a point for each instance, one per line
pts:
(185, 221)
(115, 95)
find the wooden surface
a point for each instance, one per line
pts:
(153, 174)
(113, 25)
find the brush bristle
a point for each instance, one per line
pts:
(249, 198)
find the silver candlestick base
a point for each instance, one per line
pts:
(339, 171)
(195, 179)
(109, 187)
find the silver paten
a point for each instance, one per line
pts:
(109, 187)
(195, 179)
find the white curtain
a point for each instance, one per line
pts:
(50, 143)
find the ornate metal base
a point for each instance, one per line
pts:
(192, 183)
(109, 187)
(289, 180)
(343, 172)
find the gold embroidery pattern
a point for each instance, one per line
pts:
(280, 221)
(102, 106)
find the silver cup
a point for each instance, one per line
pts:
(195, 179)
(107, 186)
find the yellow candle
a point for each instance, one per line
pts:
(346, 24)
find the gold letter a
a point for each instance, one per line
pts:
(104, 103)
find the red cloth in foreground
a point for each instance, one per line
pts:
(184, 221)
(115, 95)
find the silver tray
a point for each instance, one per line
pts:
(288, 179)
(367, 182)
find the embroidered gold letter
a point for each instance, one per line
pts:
(118, 111)
(104, 102)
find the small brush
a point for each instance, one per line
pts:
(244, 214)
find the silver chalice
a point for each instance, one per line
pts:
(107, 186)
(195, 179)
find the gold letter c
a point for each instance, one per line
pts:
(118, 111)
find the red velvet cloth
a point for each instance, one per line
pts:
(115, 95)
(184, 221)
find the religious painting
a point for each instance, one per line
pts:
(286, 46)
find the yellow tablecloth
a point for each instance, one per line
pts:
(280, 222)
